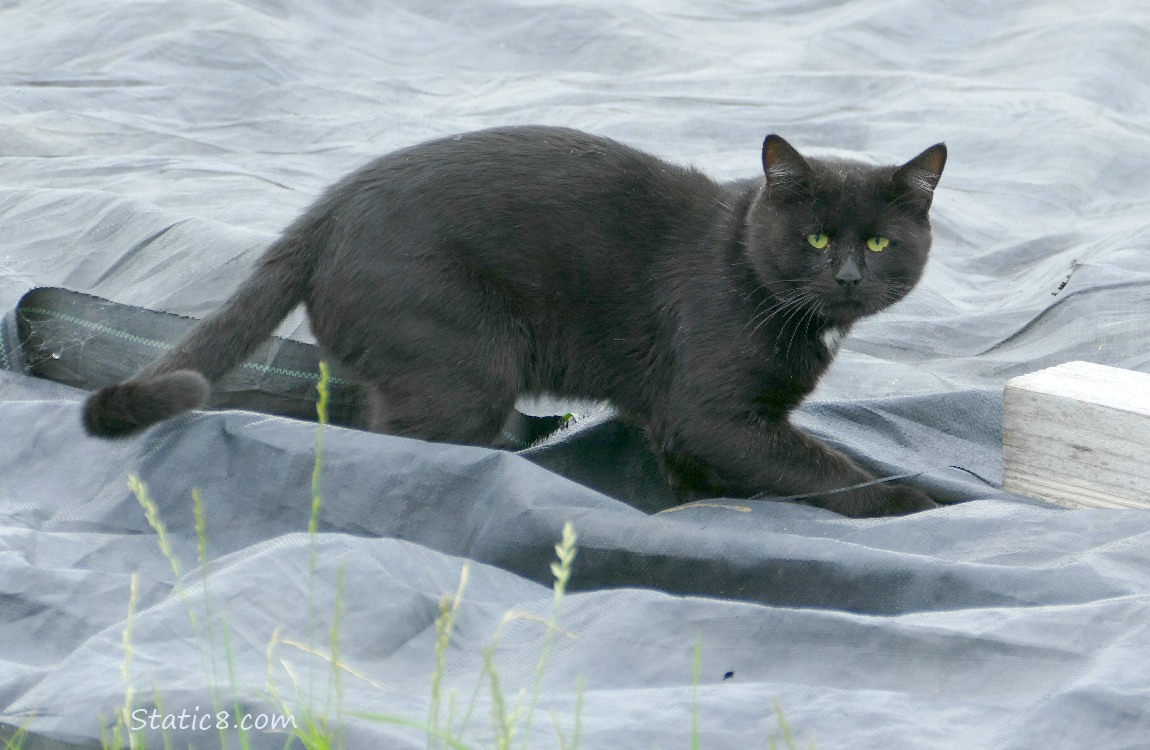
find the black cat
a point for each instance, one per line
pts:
(451, 277)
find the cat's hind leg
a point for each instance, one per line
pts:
(438, 358)
(463, 401)
(451, 412)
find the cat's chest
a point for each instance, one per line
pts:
(787, 353)
(831, 338)
(805, 363)
(783, 378)
(801, 349)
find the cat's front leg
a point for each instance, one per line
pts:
(744, 458)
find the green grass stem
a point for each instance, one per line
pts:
(444, 625)
(696, 670)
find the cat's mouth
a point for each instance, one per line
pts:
(847, 307)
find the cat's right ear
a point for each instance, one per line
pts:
(919, 176)
(783, 166)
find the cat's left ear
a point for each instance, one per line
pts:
(920, 175)
(783, 165)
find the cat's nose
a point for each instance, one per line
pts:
(849, 273)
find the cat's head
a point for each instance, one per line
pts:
(840, 237)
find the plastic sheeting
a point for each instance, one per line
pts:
(148, 151)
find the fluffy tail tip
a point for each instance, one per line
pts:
(126, 408)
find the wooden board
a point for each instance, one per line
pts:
(1078, 435)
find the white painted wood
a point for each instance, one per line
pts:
(1078, 435)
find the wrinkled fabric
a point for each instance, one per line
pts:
(150, 151)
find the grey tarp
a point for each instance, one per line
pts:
(149, 150)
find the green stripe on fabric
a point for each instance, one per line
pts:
(163, 345)
(5, 362)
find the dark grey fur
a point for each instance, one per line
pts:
(450, 278)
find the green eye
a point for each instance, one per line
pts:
(877, 244)
(818, 241)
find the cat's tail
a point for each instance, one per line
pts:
(180, 380)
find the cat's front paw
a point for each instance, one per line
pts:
(900, 500)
